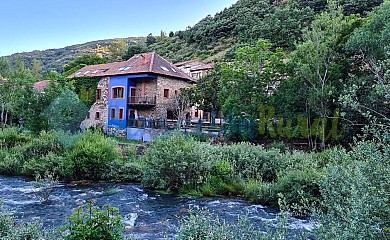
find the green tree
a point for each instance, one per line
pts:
(5, 68)
(150, 39)
(38, 101)
(283, 26)
(14, 92)
(66, 112)
(359, 6)
(205, 91)
(366, 93)
(135, 49)
(36, 68)
(317, 61)
(247, 81)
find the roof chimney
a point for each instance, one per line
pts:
(144, 60)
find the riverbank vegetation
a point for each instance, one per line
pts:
(326, 85)
(333, 186)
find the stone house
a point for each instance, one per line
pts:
(142, 87)
(196, 69)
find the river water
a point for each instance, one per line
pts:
(147, 214)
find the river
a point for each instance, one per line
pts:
(147, 214)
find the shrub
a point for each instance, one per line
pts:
(260, 192)
(221, 180)
(11, 137)
(40, 146)
(93, 222)
(89, 156)
(65, 139)
(45, 183)
(10, 230)
(278, 145)
(248, 161)
(170, 163)
(52, 162)
(11, 162)
(301, 190)
(201, 224)
(120, 171)
(252, 161)
(356, 194)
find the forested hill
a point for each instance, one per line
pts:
(55, 59)
(280, 21)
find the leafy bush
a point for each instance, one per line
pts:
(278, 145)
(301, 190)
(93, 222)
(10, 230)
(65, 139)
(171, 163)
(11, 137)
(261, 192)
(356, 194)
(249, 161)
(52, 162)
(89, 156)
(40, 146)
(201, 224)
(11, 162)
(221, 180)
(122, 171)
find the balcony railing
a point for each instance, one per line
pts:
(142, 101)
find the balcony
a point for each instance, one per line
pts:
(142, 101)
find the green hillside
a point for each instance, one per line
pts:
(279, 21)
(213, 37)
(55, 59)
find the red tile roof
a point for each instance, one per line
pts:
(140, 63)
(41, 85)
(189, 62)
(202, 67)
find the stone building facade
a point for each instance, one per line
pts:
(97, 114)
(143, 87)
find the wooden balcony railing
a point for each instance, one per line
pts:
(142, 101)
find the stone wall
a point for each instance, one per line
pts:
(100, 106)
(156, 88)
(162, 103)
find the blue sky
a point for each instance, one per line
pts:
(27, 25)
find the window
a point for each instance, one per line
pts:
(117, 92)
(170, 115)
(113, 113)
(166, 93)
(196, 75)
(98, 94)
(176, 92)
(133, 93)
(121, 113)
(97, 115)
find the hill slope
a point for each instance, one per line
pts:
(280, 21)
(55, 59)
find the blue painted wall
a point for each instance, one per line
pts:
(126, 82)
(118, 81)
